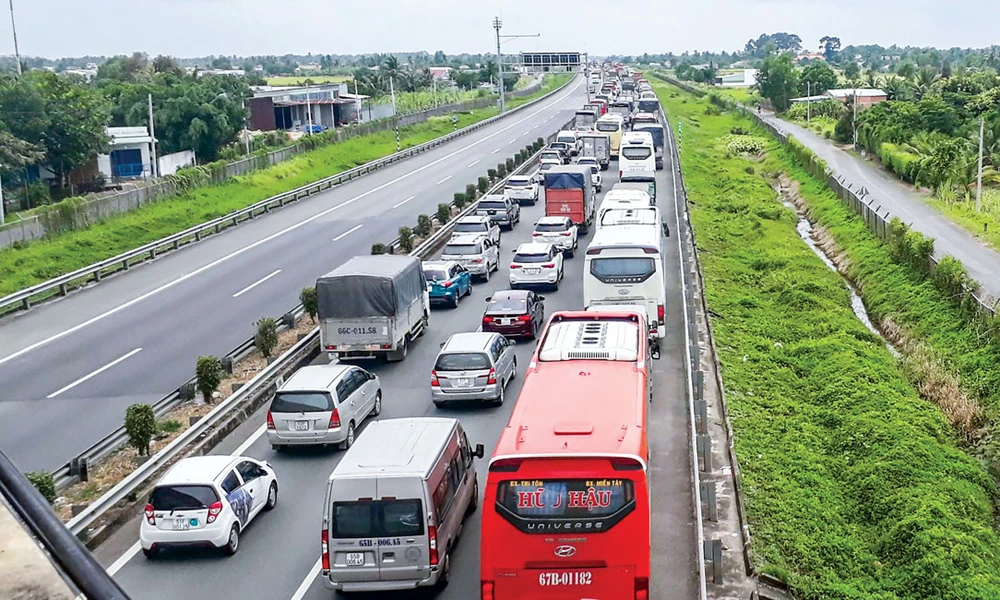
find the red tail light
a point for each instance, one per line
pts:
(487, 320)
(566, 233)
(549, 266)
(642, 588)
(270, 421)
(334, 419)
(493, 377)
(477, 260)
(660, 313)
(434, 376)
(213, 511)
(432, 533)
(324, 545)
(150, 516)
(524, 318)
(446, 284)
(620, 174)
(536, 234)
(331, 347)
(515, 266)
(486, 588)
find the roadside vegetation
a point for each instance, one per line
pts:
(855, 486)
(27, 264)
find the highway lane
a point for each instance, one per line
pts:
(72, 366)
(279, 556)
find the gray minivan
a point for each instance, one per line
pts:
(395, 505)
(474, 366)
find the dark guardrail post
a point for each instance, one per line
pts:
(72, 558)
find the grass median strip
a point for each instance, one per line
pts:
(855, 486)
(38, 261)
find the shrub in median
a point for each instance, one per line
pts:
(208, 375)
(406, 239)
(460, 200)
(443, 213)
(483, 185)
(502, 170)
(492, 173)
(539, 143)
(510, 165)
(44, 483)
(266, 337)
(378, 248)
(140, 425)
(309, 302)
(424, 226)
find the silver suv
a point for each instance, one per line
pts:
(473, 366)
(480, 225)
(500, 209)
(474, 251)
(323, 404)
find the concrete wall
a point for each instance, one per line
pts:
(169, 163)
(76, 213)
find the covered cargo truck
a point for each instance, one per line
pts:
(585, 119)
(597, 145)
(569, 192)
(372, 306)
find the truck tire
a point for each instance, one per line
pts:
(400, 354)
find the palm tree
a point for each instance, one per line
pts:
(871, 80)
(926, 77)
(896, 88)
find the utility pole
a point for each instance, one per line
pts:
(153, 168)
(854, 121)
(246, 126)
(392, 90)
(435, 84)
(1, 203)
(17, 53)
(497, 24)
(808, 103)
(357, 98)
(309, 111)
(979, 173)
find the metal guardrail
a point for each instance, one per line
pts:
(262, 383)
(63, 284)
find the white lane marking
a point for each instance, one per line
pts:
(443, 180)
(536, 126)
(472, 164)
(513, 141)
(495, 151)
(136, 547)
(275, 235)
(94, 373)
(256, 283)
(307, 582)
(398, 204)
(348, 232)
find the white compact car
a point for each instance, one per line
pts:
(536, 264)
(560, 231)
(207, 501)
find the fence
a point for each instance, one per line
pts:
(76, 213)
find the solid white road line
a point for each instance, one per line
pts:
(93, 374)
(307, 582)
(398, 204)
(134, 548)
(275, 235)
(443, 180)
(348, 232)
(256, 283)
(472, 164)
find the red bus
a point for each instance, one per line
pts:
(566, 510)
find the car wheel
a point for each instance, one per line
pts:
(498, 401)
(445, 574)
(277, 448)
(474, 502)
(513, 372)
(534, 331)
(150, 553)
(486, 275)
(233, 545)
(468, 288)
(440, 403)
(349, 440)
(272, 496)
(377, 409)
(454, 299)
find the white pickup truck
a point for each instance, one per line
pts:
(522, 189)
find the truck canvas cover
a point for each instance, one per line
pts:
(369, 286)
(568, 177)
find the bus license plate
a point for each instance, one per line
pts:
(355, 559)
(565, 578)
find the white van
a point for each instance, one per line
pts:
(637, 153)
(395, 505)
(624, 265)
(571, 139)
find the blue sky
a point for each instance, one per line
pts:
(199, 27)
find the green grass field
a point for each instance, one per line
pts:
(44, 259)
(855, 486)
(301, 79)
(984, 224)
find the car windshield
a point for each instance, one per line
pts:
(568, 139)
(293, 402)
(435, 274)
(507, 305)
(518, 182)
(470, 227)
(607, 126)
(462, 249)
(530, 258)
(492, 204)
(552, 227)
(636, 153)
(182, 497)
(462, 361)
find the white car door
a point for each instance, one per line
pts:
(251, 473)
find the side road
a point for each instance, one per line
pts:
(982, 263)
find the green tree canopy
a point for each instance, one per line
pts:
(778, 80)
(820, 77)
(852, 70)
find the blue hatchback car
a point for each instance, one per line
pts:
(447, 281)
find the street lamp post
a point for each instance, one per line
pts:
(497, 24)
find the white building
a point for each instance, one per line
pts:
(129, 156)
(745, 78)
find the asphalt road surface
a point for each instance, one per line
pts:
(70, 368)
(279, 553)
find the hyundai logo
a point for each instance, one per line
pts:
(565, 551)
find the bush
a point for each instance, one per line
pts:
(444, 213)
(739, 131)
(510, 165)
(483, 185)
(378, 248)
(743, 144)
(44, 483)
(470, 192)
(424, 226)
(539, 143)
(750, 170)
(909, 247)
(906, 165)
(208, 375)
(502, 170)
(492, 174)
(309, 302)
(460, 200)
(406, 239)
(140, 425)
(950, 277)
(825, 108)
(266, 337)
(169, 426)
(827, 134)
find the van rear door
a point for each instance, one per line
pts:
(353, 530)
(404, 542)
